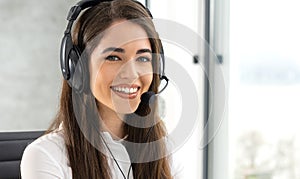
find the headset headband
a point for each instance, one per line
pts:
(70, 54)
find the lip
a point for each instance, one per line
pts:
(123, 94)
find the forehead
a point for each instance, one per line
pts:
(122, 32)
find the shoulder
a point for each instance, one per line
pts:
(53, 139)
(45, 155)
(51, 144)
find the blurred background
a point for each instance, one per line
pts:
(250, 116)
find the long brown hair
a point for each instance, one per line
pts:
(85, 160)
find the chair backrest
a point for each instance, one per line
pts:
(12, 145)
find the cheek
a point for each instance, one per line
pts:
(94, 72)
(101, 80)
(146, 75)
(146, 80)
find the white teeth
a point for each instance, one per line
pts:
(125, 90)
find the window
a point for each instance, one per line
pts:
(264, 98)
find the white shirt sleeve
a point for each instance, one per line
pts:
(37, 163)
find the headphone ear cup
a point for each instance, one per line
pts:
(76, 70)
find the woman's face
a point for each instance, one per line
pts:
(120, 67)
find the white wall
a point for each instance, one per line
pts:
(30, 77)
(188, 14)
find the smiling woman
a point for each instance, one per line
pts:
(122, 71)
(108, 63)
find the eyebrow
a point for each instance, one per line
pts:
(145, 50)
(120, 50)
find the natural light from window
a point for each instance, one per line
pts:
(264, 100)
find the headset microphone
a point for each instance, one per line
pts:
(147, 98)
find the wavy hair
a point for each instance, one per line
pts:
(86, 160)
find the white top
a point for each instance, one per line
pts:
(46, 158)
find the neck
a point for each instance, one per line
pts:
(113, 122)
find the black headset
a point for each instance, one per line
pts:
(70, 54)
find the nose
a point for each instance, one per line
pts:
(129, 70)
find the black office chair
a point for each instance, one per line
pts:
(12, 145)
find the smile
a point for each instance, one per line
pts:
(126, 91)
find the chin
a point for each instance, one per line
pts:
(126, 109)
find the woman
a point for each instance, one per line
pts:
(118, 42)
